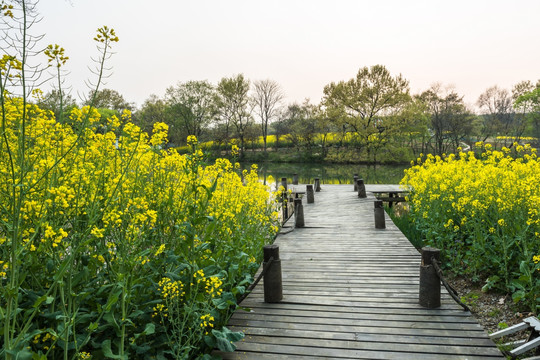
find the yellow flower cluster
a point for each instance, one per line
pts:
(171, 289)
(479, 204)
(160, 309)
(207, 321)
(4, 266)
(83, 355)
(192, 140)
(474, 184)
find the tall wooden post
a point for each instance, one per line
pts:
(430, 284)
(273, 287)
(379, 215)
(309, 193)
(317, 185)
(284, 205)
(298, 213)
(295, 179)
(361, 188)
(355, 178)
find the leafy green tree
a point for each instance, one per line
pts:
(191, 107)
(266, 98)
(59, 103)
(364, 101)
(302, 124)
(153, 110)
(108, 99)
(233, 105)
(413, 131)
(528, 103)
(280, 127)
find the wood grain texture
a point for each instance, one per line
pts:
(350, 291)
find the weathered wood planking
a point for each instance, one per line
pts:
(350, 291)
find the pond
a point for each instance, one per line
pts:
(332, 173)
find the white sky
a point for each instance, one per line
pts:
(303, 45)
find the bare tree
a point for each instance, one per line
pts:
(266, 102)
(450, 119)
(498, 114)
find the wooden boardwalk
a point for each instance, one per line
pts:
(350, 291)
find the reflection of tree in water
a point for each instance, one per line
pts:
(331, 173)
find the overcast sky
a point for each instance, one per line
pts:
(303, 45)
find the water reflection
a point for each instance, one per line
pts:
(331, 173)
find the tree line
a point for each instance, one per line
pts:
(373, 115)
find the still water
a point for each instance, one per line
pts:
(332, 173)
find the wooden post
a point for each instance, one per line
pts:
(295, 179)
(317, 185)
(290, 205)
(284, 183)
(298, 213)
(273, 287)
(361, 188)
(309, 193)
(379, 215)
(284, 205)
(355, 178)
(430, 284)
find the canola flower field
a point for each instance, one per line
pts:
(111, 247)
(482, 209)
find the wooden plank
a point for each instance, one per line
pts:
(458, 311)
(337, 353)
(330, 315)
(367, 337)
(362, 323)
(414, 348)
(451, 333)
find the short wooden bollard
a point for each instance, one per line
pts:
(379, 215)
(309, 194)
(430, 284)
(355, 178)
(295, 179)
(273, 287)
(284, 183)
(317, 185)
(361, 188)
(298, 213)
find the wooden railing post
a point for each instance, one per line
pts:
(273, 287)
(284, 182)
(379, 215)
(298, 213)
(309, 194)
(295, 179)
(361, 188)
(430, 284)
(317, 185)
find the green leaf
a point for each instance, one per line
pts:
(225, 345)
(518, 296)
(149, 329)
(106, 347)
(224, 339)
